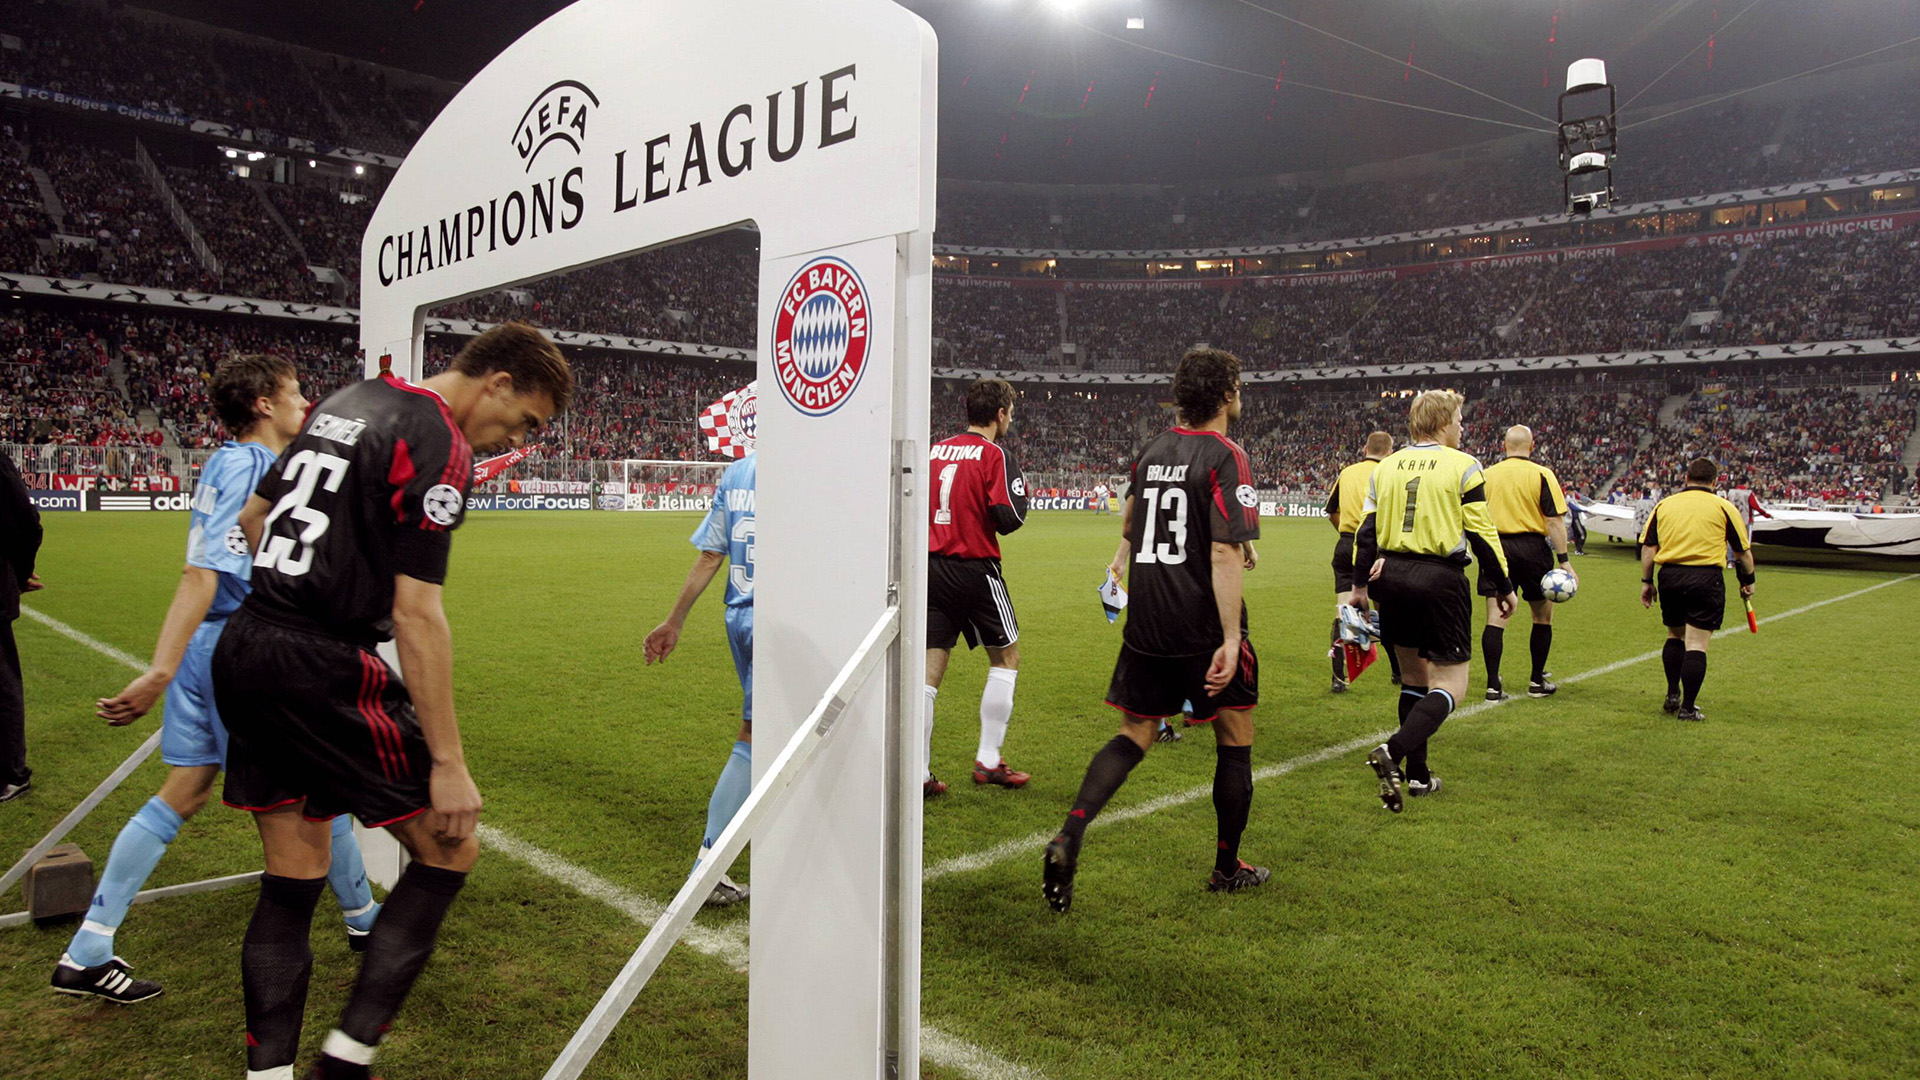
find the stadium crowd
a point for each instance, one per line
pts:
(1832, 443)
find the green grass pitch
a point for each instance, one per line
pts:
(1600, 891)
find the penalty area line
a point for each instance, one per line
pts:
(1032, 844)
(728, 945)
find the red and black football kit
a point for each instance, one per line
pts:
(373, 487)
(1190, 490)
(978, 495)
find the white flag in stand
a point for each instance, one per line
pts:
(730, 423)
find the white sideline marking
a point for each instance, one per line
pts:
(729, 945)
(998, 853)
(729, 948)
(69, 632)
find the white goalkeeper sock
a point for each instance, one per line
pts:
(996, 708)
(927, 757)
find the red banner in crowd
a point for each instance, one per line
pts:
(1725, 239)
(77, 482)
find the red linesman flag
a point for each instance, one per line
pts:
(730, 423)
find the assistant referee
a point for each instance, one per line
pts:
(1688, 535)
(1346, 503)
(1426, 505)
(1529, 509)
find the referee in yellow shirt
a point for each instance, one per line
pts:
(1426, 505)
(1345, 505)
(1688, 535)
(1529, 509)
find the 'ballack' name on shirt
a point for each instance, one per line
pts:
(336, 429)
(1172, 474)
(943, 452)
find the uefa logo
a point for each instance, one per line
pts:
(820, 336)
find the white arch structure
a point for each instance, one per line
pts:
(621, 125)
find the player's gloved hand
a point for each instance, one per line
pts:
(456, 803)
(1508, 604)
(132, 703)
(1226, 663)
(661, 641)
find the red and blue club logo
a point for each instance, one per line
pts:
(820, 335)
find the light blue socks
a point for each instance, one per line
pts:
(136, 851)
(729, 793)
(348, 877)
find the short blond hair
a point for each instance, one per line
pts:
(1432, 411)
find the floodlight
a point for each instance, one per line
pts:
(1136, 22)
(359, 170)
(233, 153)
(1589, 137)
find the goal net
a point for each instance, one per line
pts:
(641, 484)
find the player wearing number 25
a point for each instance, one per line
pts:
(1426, 505)
(351, 530)
(1187, 535)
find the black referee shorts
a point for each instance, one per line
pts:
(312, 717)
(1425, 605)
(1529, 557)
(1692, 596)
(1156, 687)
(968, 597)
(1343, 563)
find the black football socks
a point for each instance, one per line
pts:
(1541, 643)
(1338, 655)
(1232, 802)
(1422, 721)
(1105, 774)
(402, 941)
(1416, 759)
(1670, 655)
(1493, 640)
(1693, 672)
(276, 963)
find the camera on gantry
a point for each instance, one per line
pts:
(1588, 138)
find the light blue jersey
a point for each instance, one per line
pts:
(191, 732)
(728, 530)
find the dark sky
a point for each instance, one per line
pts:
(1028, 93)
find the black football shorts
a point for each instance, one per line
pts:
(1343, 564)
(312, 717)
(1692, 596)
(1155, 687)
(1529, 557)
(1425, 605)
(968, 597)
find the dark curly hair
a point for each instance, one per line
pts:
(242, 379)
(986, 398)
(1203, 382)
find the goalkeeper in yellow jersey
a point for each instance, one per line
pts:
(1426, 506)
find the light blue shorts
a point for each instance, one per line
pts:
(740, 639)
(191, 732)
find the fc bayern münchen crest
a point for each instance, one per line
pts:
(820, 336)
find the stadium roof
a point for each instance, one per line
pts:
(1062, 91)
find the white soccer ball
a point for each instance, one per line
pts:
(1559, 585)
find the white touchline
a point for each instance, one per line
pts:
(1025, 845)
(728, 944)
(70, 633)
